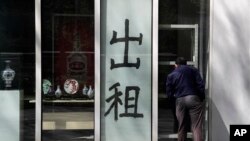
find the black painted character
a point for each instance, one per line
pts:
(126, 39)
(128, 99)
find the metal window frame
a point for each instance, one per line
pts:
(38, 71)
(196, 37)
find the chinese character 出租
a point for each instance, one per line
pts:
(126, 39)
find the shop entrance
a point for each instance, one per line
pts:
(175, 40)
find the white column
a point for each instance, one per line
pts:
(229, 66)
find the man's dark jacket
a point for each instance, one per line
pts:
(185, 80)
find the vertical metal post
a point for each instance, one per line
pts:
(38, 120)
(155, 72)
(196, 38)
(97, 71)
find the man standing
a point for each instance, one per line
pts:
(187, 86)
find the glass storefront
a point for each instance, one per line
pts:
(83, 98)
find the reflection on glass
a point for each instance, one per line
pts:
(68, 70)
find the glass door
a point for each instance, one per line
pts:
(182, 33)
(174, 41)
(67, 70)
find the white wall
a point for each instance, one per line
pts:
(229, 66)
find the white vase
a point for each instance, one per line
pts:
(58, 92)
(90, 92)
(8, 74)
(85, 90)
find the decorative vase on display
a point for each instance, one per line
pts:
(90, 92)
(58, 92)
(46, 86)
(85, 90)
(8, 75)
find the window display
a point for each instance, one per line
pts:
(68, 69)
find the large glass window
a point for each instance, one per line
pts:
(67, 70)
(17, 70)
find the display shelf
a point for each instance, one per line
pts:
(64, 101)
(10, 115)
